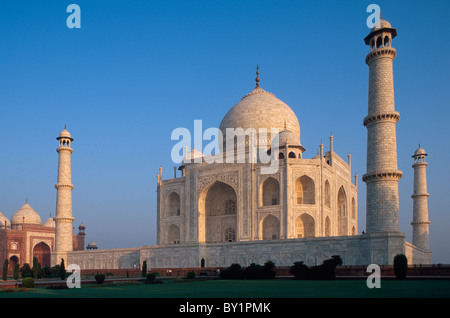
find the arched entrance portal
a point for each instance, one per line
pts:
(42, 252)
(217, 206)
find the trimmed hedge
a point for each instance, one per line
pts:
(28, 282)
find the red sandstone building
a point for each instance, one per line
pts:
(25, 237)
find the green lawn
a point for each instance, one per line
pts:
(279, 288)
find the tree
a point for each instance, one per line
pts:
(5, 269)
(400, 266)
(144, 269)
(16, 271)
(35, 266)
(62, 269)
(39, 271)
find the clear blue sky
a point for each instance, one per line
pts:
(136, 70)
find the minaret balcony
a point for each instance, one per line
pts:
(381, 52)
(372, 118)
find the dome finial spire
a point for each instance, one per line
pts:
(257, 76)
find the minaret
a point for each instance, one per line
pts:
(420, 223)
(63, 219)
(381, 178)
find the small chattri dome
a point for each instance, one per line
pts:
(92, 245)
(3, 220)
(26, 215)
(65, 134)
(381, 25)
(49, 223)
(420, 152)
(287, 137)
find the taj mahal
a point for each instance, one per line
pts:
(213, 214)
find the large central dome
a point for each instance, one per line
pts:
(260, 109)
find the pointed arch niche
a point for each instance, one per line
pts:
(270, 228)
(342, 213)
(173, 234)
(173, 204)
(270, 192)
(304, 190)
(305, 226)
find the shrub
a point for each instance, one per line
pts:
(190, 275)
(325, 271)
(269, 270)
(255, 271)
(54, 271)
(269, 265)
(100, 278)
(400, 266)
(46, 271)
(299, 270)
(235, 271)
(150, 277)
(26, 271)
(28, 282)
